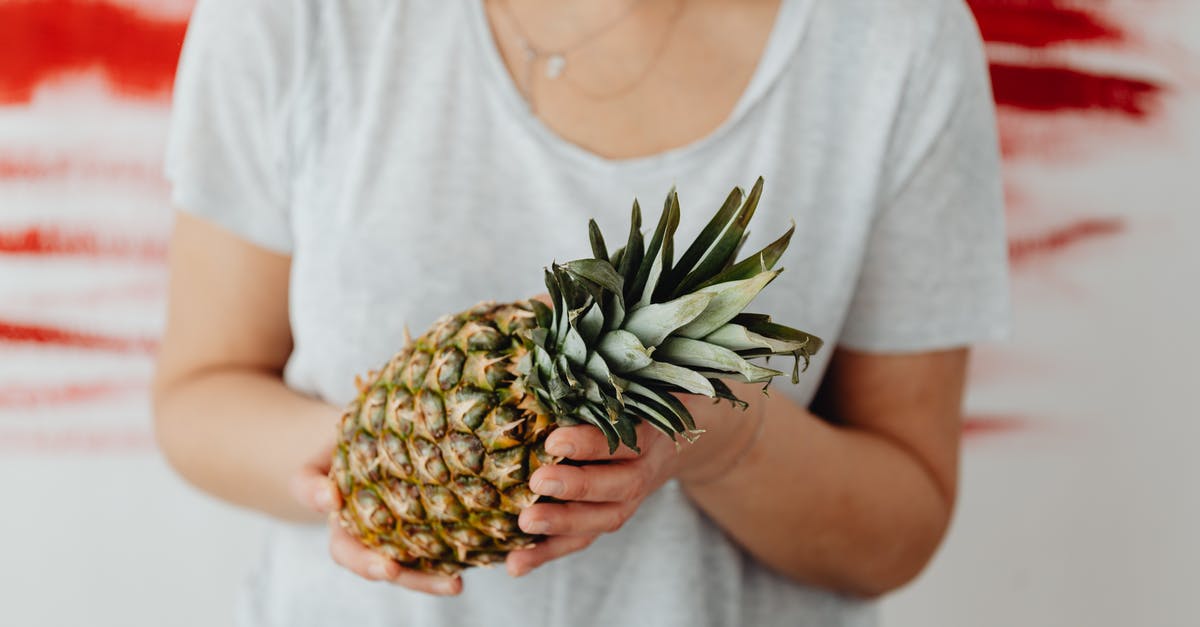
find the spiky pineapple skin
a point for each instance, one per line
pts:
(434, 456)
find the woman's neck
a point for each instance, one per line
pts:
(632, 78)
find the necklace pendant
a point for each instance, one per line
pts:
(555, 64)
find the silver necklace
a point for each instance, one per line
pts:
(651, 63)
(556, 58)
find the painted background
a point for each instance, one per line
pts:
(1080, 502)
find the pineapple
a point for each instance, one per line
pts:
(434, 456)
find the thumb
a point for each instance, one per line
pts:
(315, 491)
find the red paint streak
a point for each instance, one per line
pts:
(1057, 139)
(1015, 198)
(30, 169)
(979, 426)
(1023, 134)
(1040, 23)
(51, 241)
(1055, 89)
(54, 336)
(1056, 240)
(45, 40)
(77, 441)
(25, 397)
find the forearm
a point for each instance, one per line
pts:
(241, 434)
(830, 506)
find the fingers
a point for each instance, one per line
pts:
(315, 491)
(575, 519)
(600, 483)
(521, 562)
(600, 497)
(354, 556)
(587, 443)
(362, 561)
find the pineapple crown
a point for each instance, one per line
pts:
(629, 330)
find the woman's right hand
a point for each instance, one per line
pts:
(219, 393)
(312, 487)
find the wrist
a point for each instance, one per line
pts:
(729, 433)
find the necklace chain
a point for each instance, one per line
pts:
(556, 58)
(651, 63)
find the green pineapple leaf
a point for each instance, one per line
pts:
(760, 261)
(717, 225)
(599, 250)
(631, 259)
(725, 249)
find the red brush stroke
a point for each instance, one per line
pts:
(51, 241)
(32, 169)
(25, 397)
(1040, 23)
(986, 425)
(1056, 240)
(55, 336)
(1057, 89)
(77, 441)
(1021, 137)
(47, 39)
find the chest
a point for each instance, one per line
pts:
(659, 77)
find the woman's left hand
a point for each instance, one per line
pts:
(598, 496)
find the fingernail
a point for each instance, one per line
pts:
(444, 587)
(560, 449)
(537, 526)
(379, 570)
(550, 487)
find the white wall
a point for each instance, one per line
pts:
(1086, 513)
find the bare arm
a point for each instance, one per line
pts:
(223, 416)
(859, 507)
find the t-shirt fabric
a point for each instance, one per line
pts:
(383, 146)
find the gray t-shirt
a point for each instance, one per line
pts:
(382, 144)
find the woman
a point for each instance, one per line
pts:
(346, 169)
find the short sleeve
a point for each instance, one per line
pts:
(935, 271)
(227, 156)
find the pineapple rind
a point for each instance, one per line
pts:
(432, 461)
